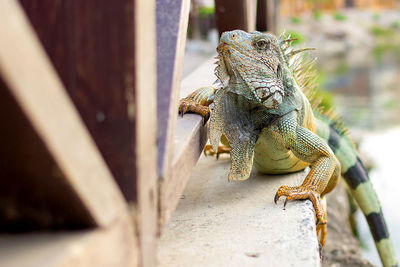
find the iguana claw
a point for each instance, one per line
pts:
(208, 150)
(189, 105)
(205, 118)
(303, 192)
(276, 198)
(284, 204)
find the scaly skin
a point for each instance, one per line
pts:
(263, 115)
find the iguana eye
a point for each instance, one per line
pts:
(262, 43)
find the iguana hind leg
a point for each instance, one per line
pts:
(198, 102)
(310, 190)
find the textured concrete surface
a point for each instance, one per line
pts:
(218, 223)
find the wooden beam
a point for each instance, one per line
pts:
(91, 44)
(235, 15)
(190, 138)
(34, 193)
(251, 9)
(267, 15)
(34, 84)
(146, 129)
(272, 14)
(261, 16)
(105, 54)
(113, 246)
(172, 21)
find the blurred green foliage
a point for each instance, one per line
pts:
(376, 16)
(387, 41)
(206, 11)
(381, 32)
(395, 24)
(382, 48)
(342, 68)
(296, 20)
(327, 98)
(391, 104)
(339, 16)
(317, 14)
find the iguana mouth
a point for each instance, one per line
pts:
(223, 70)
(271, 96)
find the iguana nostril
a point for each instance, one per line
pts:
(234, 35)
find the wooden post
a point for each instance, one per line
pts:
(91, 45)
(105, 55)
(172, 20)
(271, 15)
(267, 15)
(146, 128)
(59, 151)
(189, 139)
(262, 16)
(231, 15)
(51, 173)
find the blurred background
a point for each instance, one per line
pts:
(358, 61)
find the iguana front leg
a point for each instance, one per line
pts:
(325, 168)
(198, 102)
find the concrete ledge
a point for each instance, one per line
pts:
(218, 223)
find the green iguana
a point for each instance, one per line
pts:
(261, 114)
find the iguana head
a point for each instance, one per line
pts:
(252, 60)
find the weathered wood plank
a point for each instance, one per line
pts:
(172, 20)
(251, 9)
(146, 129)
(43, 100)
(91, 44)
(267, 14)
(113, 246)
(272, 14)
(261, 20)
(113, 86)
(34, 194)
(235, 14)
(189, 140)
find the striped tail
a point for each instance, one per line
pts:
(360, 187)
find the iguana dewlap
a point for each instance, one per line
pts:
(262, 112)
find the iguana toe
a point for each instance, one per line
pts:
(209, 151)
(189, 105)
(322, 231)
(303, 192)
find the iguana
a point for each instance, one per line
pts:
(261, 114)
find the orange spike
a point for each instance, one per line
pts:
(289, 40)
(294, 52)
